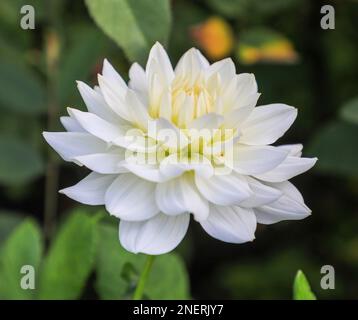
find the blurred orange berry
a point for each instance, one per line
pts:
(280, 51)
(215, 37)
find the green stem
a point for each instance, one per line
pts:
(138, 293)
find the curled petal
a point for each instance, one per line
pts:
(105, 163)
(158, 235)
(251, 160)
(289, 168)
(261, 194)
(71, 125)
(90, 190)
(180, 195)
(95, 125)
(225, 190)
(267, 123)
(230, 224)
(70, 145)
(131, 198)
(289, 206)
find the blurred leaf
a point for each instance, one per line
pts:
(272, 7)
(265, 277)
(19, 162)
(133, 24)
(349, 111)
(301, 288)
(185, 17)
(118, 271)
(334, 145)
(265, 45)
(23, 127)
(20, 90)
(79, 61)
(8, 221)
(70, 259)
(111, 260)
(23, 247)
(231, 8)
(243, 9)
(168, 278)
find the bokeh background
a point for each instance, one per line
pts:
(75, 248)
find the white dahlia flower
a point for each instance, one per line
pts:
(176, 142)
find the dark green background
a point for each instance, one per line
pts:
(320, 84)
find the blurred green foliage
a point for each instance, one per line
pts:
(84, 245)
(168, 279)
(133, 24)
(84, 259)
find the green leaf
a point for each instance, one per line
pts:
(79, 60)
(19, 161)
(20, 89)
(168, 278)
(70, 259)
(118, 271)
(301, 288)
(112, 262)
(349, 111)
(8, 222)
(334, 147)
(23, 247)
(133, 24)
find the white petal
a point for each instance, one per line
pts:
(166, 132)
(138, 79)
(70, 145)
(90, 190)
(208, 121)
(158, 235)
(256, 159)
(262, 194)
(96, 104)
(131, 198)
(165, 108)
(225, 190)
(225, 68)
(289, 206)
(267, 123)
(145, 171)
(186, 112)
(71, 125)
(230, 224)
(95, 125)
(246, 89)
(190, 65)
(105, 163)
(159, 63)
(138, 112)
(240, 92)
(181, 195)
(112, 76)
(114, 97)
(289, 168)
(293, 149)
(175, 165)
(234, 118)
(135, 140)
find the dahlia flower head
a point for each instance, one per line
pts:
(179, 142)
